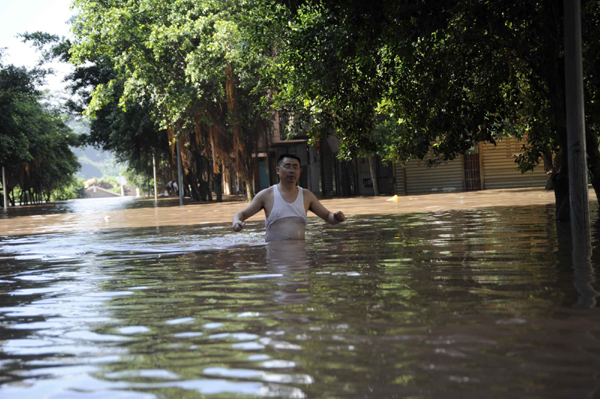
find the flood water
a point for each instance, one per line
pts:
(451, 304)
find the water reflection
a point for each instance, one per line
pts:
(88, 205)
(110, 213)
(585, 275)
(445, 304)
(288, 260)
(579, 262)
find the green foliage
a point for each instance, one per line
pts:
(74, 190)
(400, 79)
(395, 77)
(155, 72)
(135, 179)
(171, 53)
(35, 141)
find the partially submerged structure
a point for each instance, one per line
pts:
(99, 192)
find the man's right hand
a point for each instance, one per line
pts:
(238, 225)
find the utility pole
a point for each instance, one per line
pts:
(180, 174)
(4, 191)
(578, 185)
(154, 169)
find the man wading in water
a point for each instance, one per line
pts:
(286, 205)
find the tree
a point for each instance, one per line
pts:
(448, 73)
(183, 60)
(36, 143)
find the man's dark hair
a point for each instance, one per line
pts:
(288, 156)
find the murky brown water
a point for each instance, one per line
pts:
(450, 304)
(111, 213)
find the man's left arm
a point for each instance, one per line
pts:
(318, 209)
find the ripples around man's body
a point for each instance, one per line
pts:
(450, 304)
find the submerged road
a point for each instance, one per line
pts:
(92, 214)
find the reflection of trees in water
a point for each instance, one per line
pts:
(577, 262)
(425, 270)
(497, 258)
(198, 293)
(575, 270)
(356, 300)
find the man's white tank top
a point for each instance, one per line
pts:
(283, 209)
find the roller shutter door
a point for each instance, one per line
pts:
(446, 177)
(500, 169)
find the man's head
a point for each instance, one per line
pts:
(280, 161)
(288, 168)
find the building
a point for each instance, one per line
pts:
(99, 192)
(322, 172)
(486, 167)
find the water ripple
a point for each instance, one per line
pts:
(445, 304)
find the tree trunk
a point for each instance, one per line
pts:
(218, 179)
(552, 72)
(593, 153)
(560, 182)
(373, 170)
(199, 182)
(560, 179)
(549, 169)
(209, 180)
(193, 182)
(249, 189)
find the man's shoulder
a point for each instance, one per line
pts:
(308, 194)
(307, 191)
(265, 193)
(266, 190)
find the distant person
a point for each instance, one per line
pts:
(286, 205)
(169, 187)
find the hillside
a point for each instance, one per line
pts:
(94, 162)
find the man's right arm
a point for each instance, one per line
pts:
(255, 206)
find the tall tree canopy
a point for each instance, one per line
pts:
(396, 78)
(35, 142)
(183, 61)
(441, 75)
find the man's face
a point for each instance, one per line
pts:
(289, 170)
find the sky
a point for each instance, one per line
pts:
(51, 16)
(19, 16)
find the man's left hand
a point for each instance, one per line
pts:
(339, 216)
